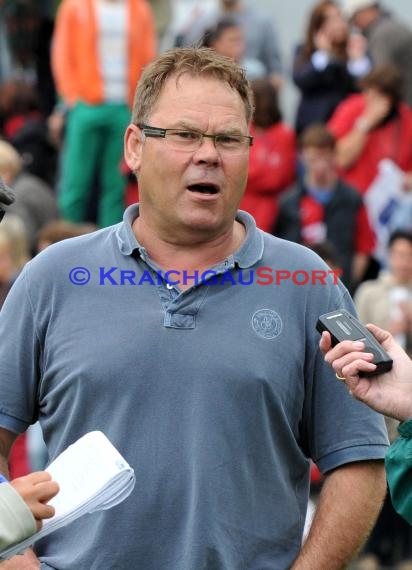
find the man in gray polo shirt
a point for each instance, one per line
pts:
(188, 337)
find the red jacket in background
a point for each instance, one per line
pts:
(19, 460)
(272, 168)
(392, 140)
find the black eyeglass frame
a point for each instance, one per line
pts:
(158, 132)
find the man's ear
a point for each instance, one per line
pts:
(133, 147)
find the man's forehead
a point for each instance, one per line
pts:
(197, 92)
(186, 80)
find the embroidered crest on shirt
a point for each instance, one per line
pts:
(267, 323)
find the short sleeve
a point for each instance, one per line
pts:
(19, 358)
(339, 429)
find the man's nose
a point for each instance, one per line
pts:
(207, 152)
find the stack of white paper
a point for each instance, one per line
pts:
(92, 476)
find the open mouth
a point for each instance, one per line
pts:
(204, 188)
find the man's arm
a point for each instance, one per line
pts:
(6, 441)
(349, 504)
(28, 560)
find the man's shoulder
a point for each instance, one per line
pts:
(86, 246)
(293, 253)
(305, 274)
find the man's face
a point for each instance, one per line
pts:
(190, 193)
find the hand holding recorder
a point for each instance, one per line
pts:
(390, 392)
(343, 326)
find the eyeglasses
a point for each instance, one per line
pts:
(190, 141)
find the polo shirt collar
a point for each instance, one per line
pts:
(125, 236)
(250, 252)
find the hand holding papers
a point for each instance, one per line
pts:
(92, 476)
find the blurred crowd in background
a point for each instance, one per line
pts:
(337, 178)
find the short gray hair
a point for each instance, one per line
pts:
(196, 62)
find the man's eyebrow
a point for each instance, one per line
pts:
(183, 124)
(230, 131)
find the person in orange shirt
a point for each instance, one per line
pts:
(99, 50)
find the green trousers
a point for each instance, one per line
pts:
(93, 150)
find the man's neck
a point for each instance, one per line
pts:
(188, 254)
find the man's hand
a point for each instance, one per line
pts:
(389, 393)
